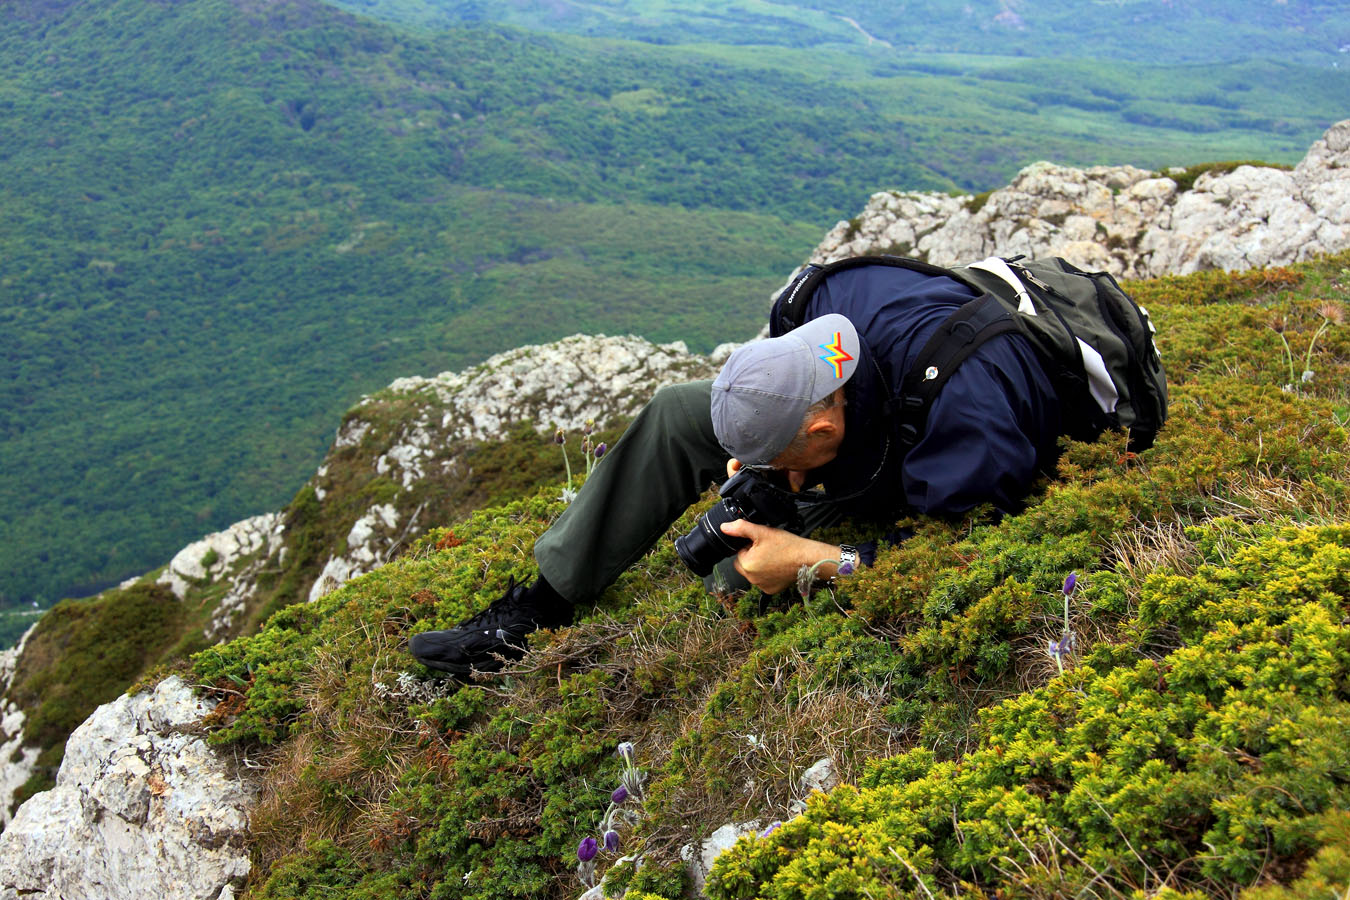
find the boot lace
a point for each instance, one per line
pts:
(511, 609)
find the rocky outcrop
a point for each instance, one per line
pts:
(558, 385)
(369, 543)
(233, 556)
(16, 760)
(1121, 219)
(142, 808)
(555, 385)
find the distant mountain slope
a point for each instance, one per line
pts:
(1138, 30)
(221, 221)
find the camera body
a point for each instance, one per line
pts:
(749, 494)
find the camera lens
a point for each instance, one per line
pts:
(705, 545)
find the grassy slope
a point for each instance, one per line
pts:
(223, 221)
(86, 652)
(1191, 744)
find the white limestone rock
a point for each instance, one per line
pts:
(699, 858)
(141, 809)
(369, 545)
(1122, 219)
(16, 760)
(9, 660)
(215, 554)
(351, 434)
(821, 776)
(235, 556)
(556, 385)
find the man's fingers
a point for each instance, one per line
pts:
(741, 528)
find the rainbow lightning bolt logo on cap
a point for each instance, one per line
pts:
(835, 354)
(765, 387)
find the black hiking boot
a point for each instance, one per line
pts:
(498, 631)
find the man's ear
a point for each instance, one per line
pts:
(822, 425)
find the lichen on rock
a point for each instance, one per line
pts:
(149, 809)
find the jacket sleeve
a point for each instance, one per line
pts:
(989, 432)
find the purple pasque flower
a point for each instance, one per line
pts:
(559, 437)
(601, 450)
(1062, 647)
(587, 849)
(611, 841)
(845, 568)
(773, 826)
(588, 427)
(1070, 583)
(620, 794)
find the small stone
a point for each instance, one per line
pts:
(821, 776)
(699, 858)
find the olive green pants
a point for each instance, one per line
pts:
(663, 463)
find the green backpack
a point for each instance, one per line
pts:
(1095, 342)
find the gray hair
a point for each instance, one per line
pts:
(798, 444)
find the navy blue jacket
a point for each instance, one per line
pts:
(991, 429)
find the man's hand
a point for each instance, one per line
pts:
(774, 556)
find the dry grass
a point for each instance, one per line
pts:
(772, 746)
(342, 735)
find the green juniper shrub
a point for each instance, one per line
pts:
(977, 201)
(318, 872)
(658, 882)
(1208, 764)
(1326, 873)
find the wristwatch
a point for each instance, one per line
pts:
(848, 556)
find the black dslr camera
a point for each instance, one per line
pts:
(749, 494)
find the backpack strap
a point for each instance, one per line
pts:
(960, 335)
(789, 310)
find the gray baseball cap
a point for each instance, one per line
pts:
(762, 393)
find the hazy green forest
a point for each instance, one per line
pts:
(222, 221)
(1148, 31)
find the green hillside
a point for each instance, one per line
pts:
(1137, 30)
(1191, 742)
(223, 221)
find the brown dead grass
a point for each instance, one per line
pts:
(342, 734)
